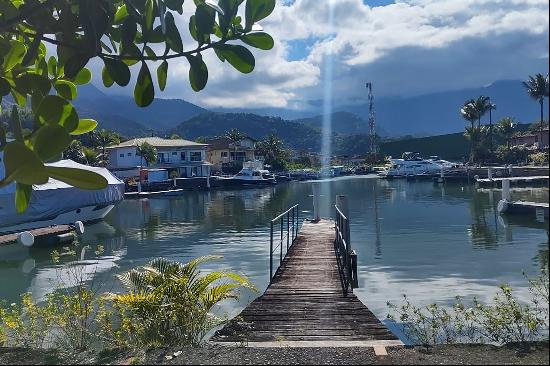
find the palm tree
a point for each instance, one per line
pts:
(471, 114)
(148, 152)
(271, 148)
(491, 107)
(537, 87)
(235, 136)
(506, 127)
(481, 105)
(174, 302)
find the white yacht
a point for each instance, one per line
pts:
(411, 165)
(252, 174)
(58, 203)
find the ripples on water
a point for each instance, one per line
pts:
(430, 242)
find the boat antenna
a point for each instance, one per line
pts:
(372, 124)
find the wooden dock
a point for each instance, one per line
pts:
(155, 194)
(515, 181)
(42, 235)
(537, 210)
(305, 305)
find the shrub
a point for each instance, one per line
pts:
(539, 157)
(506, 320)
(513, 155)
(170, 303)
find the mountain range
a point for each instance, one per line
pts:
(424, 115)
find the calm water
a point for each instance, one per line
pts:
(428, 241)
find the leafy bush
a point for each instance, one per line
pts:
(539, 157)
(170, 303)
(513, 155)
(167, 303)
(506, 320)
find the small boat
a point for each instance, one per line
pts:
(252, 174)
(58, 203)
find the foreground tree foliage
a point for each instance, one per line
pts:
(123, 34)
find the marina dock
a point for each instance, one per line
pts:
(309, 302)
(514, 181)
(45, 235)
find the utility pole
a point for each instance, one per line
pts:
(372, 123)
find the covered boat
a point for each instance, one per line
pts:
(57, 203)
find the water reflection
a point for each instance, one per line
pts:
(427, 240)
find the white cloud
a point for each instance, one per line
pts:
(362, 39)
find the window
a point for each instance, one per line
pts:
(129, 154)
(182, 155)
(224, 154)
(195, 156)
(121, 155)
(174, 153)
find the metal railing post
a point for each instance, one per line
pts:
(287, 230)
(271, 254)
(293, 225)
(281, 243)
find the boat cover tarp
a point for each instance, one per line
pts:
(55, 197)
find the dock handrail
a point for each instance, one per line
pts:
(346, 257)
(292, 227)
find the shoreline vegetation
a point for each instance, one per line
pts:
(168, 308)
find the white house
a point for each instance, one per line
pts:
(181, 158)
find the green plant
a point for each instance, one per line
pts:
(27, 324)
(505, 320)
(169, 302)
(538, 87)
(147, 152)
(539, 157)
(120, 33)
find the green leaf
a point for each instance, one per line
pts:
(144, 91)
(198, 72)
(85, 125)
(238, 56)
(106, 78)
(54, 110)
(15, 55)
(74, 64)
(259, 40)
(174, 5)
(173, 38)
(71, 123)
(120, 15)
(205, 17)
(22, 165)
(149, 16)
(84, 76)
(5, 87)
(51, 141)
(52, 66)
(129, 31)
(66, 89)
(149, 51)
(23, 194)
(118, 71)
(79, 178)
(162, 72)
(257, 10)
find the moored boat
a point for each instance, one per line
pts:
(58, 203)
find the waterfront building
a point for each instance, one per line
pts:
(531, 139)
(223, 153)
(180, 158)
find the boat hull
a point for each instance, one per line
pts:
(86, 214)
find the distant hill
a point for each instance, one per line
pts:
(344, 123)
(425, 115)
(295, 135)
(120, 113)
(439, 113)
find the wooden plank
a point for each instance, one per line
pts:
(305, 303)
